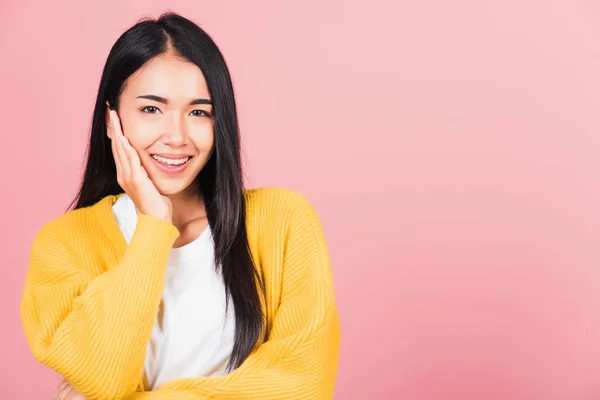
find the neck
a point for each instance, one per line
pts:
(188, 206)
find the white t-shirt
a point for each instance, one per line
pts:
(192, 336)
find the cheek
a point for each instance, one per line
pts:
(139, 132)
(203, 138)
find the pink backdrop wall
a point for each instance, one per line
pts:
(451, 148)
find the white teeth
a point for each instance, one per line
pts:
(171, 161)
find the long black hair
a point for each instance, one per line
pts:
(220, 182)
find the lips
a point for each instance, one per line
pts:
(177, 160)
(172, 163)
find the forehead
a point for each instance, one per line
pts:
(168, 76)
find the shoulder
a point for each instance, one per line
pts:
(64, 229)
(279, 200)
(281, 213)
(288, 236)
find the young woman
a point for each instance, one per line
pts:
(168, 279)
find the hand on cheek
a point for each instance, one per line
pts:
(132, 176)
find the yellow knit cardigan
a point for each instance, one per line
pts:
(90, 302)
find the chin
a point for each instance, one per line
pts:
(171, 188)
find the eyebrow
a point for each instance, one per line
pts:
(165, 101)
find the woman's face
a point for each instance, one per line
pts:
(166, 113)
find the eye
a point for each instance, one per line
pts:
(200, 113)
(150, 110)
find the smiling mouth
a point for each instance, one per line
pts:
(172, 165)
(171, 162)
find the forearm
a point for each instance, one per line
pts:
(93, 330)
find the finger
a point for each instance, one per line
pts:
(68, 393)
(63, 384)
(113, 146)
(123, 157)
(137, 170)
(60, 388)
(116, 123)
(64, 392)
(116, 154)
(121, 154)
(60, 395)
(131, 152)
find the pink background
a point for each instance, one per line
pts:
(450, 147)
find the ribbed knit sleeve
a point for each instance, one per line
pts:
(90, 328)
(299, 359)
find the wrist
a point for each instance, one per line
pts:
(164, 216)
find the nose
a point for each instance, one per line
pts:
(176, 132)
